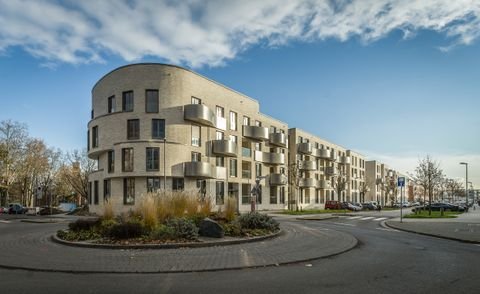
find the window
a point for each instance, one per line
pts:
(202, 187)
(317, 192)
(246, 193)
(127, 159)
(273, 195)
(95, 137)
(233, 121)
(153, 158)
(95, 192)
(300, 139)
(233, 167)
(158, 129)
(246, 121)
(111, 104)
(151, 101)
(258, 170)
(246, 149)
(220, 161)
(220, 192)
(258, 147)
(129, 191)
(111, 161)
(107, 188)
(89, 192)
(258, 123)
(196, 156)
(219, 135)
(153, 184)
(246, 170)
(282, 195)
(196, 135)
(273, 130)
(233, 190)
(133, 129)
(88, 140)
(178, 184)
(196, 100)
(233, 138)
(127, 101)
(220, 111)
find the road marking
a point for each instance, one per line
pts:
(367, 218)
(389, 230)
(380, 218)
(5, 221)
(354, 217)
(343, 224)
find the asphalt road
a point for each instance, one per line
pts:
(386, 261)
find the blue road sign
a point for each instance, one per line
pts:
(401, 182)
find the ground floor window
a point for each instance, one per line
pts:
(129, 191)
(246, 193)
(220, 192)
(307, 196)
(95, 192)
(317, 196)
(282, 195)
(178, 184)
(273, 195)
(89, 192)
(202, 187)
(153, 184)
(107, 190)
(233, 190)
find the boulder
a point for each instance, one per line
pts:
(210, 228)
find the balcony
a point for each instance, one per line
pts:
(307, 183)
(255, 133)
(270, 158)
(344, 160)
(225, 147)
(304, 148)
(333, 156)
(277, 179)
(199, 169)
(331, 171)
(322, 153)
(324, 184)
(278, 139)
(307, 165)
(380, 181)
(199, 113)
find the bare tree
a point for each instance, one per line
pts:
(454, 187)
(428, 175)
(340, 183)
(77, 171)
(364, 188)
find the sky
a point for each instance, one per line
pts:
(394, 80)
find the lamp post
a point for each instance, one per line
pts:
(466, 182)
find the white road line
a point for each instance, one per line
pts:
(389, 230)
(380, 218)
(354, 217)
(5, 221)
(366, 218)
(344, 224)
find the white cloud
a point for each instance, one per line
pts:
(198, 33)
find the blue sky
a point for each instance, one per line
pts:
(393, 81)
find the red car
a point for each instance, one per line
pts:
(332, 204)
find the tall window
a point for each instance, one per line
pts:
(273, 195)
(153, 184)
(282, 195)
(220, 111)
(246, 148)
(258, 170)
(111, 104)
(127, 101)
(88, 140)
(220, 192)
(107, 190)
(127, 159)
(95, 192)
(129, 191)
(196, 135)
(246, 121)
(273, 130)
(220, 161)
(151, 101)
(246, 170)
(258, 123)
(219, 135)
(246, 193)
(89, 192)
(158, 129)
(133, 129)
(233, 121)
(111, 161)
(233, 167)
(196, 100)
(196, 156)
(178, 184)
(95, 137)
(233, 138)
(153, 158)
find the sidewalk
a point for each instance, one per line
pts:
(465, 228)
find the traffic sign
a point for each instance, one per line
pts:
(401, 182)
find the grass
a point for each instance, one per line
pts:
(435, 214)
(315, 211)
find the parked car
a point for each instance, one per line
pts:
(439, 206)
(369, 206)
(359, 205)
(332, 204)
(16, 208)
(3, 210)
(351, 207)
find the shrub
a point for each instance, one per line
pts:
(183, 228)
(106, 225)
(232, 229)
(206, 206)
(81, 235)
(148, 212)
(126, 230)
(83, 224)
(108, 211)
(255, 220)
(162, 232)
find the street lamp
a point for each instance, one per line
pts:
(466, 182)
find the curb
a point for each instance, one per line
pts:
(41, 221)
(431, 235)
(312, 218)
(55, 239)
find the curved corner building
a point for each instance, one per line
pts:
(157, 126)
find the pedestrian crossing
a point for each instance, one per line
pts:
(366, 218)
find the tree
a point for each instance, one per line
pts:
(12, 139)
(454, 187)
(293, 181)
(77, 171)
(364, 188)
(340, 183)
(428, 175)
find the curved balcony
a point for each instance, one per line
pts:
(277, 179)
(269, 158)
(304, 148)
(324, 184)
(199, 169)
(255, 133)
(331, 171)
(307, 183)
(199, 113)
(322, 153)
(333, 156)
(344, 160)
(307, 165)
(225, 147)
(278, 139)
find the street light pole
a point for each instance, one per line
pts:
(466, 183)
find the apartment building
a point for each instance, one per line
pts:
(356, 176)
(157, 126)
(382, 182)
